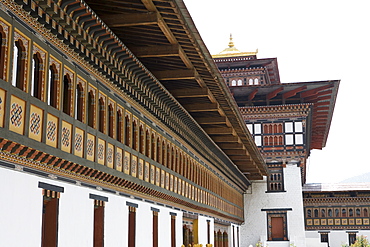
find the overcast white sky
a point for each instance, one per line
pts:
(312, 40)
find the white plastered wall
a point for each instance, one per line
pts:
(255, 227)
(21, 215)
(336, 237)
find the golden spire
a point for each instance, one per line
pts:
(231, 43)
(231, 51)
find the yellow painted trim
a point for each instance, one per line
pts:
(8, 36)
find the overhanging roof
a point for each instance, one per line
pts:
(162, 35)
(166, 62)
(322, 94)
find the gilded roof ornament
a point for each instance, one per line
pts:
(232, 51)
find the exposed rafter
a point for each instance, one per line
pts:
(125, 20)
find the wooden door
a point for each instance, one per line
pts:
(277, 228)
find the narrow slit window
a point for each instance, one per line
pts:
(67, 94)
(101, 115)
(36, 80)
(18, 65)
(52, 86)
(79, 102)
(119, 126)
(110, 121)
(90, 109)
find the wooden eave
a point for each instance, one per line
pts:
(85, 28)
(189, 69)
(321, 94)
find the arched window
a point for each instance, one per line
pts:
(53, 86)
(250, 81)
(240, 82)
(158, 158)
(141, 140)
(330, 213)
(147, 143)
(358, 212)
(280, 128)
(276, 141)
(169, 160)
(350, 212)
(152, 149)
(163, 153)
(177, 162)
(135, 133)
(67, 94)
(323, 213)
(36, 80)
(280, 140)
(336, 212)
(110, 121)
(225, 238)
(172, 164)
(365, 212)
(91, 109)
(271, 141)
(119, 125)
(344, 212)
(316, 213)
(101, 116)
(127, 131)
(255, 81)
(233, 83)
(309, 213)
(180, 164)
(18, 65)
(79, 102)
(276, 128)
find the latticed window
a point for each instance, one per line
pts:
(324, 237)
(275, 180)
(351, 238)
(293, 133)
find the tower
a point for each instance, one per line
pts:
(286, 120)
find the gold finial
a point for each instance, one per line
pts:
(231, 51)
(231, 43)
